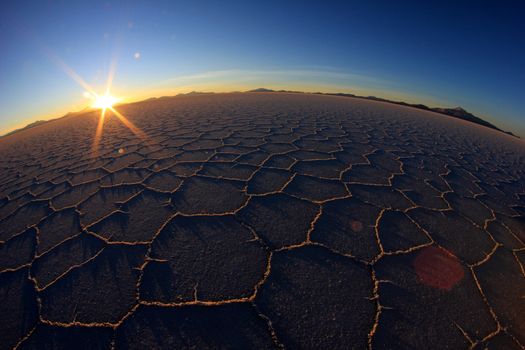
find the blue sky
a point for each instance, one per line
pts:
(446, 53)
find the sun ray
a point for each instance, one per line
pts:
(111, 75)
(98, 134)
(139, 133)
(68, 70)
(104, 102)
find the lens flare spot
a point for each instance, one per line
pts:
(438, 268)
(357, 226)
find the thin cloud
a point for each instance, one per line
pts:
(306, 79)
(279, 75)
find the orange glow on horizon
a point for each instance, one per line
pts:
(105, 101)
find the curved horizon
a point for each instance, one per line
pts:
(444, 111)
(443, 55)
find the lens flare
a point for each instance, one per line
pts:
(104, 102)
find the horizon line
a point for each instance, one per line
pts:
(89, 109)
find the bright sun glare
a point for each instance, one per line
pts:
(105, 101)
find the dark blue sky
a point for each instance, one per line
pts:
(446, 53)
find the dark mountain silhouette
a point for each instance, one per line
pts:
(29, 126)
(456, 112)
(265, 90)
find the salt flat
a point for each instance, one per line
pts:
(262, 220)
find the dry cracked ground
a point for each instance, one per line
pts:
(262, 221)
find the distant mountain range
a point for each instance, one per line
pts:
(456, 112)
(29, 126)
(194, 93)
(41, 122)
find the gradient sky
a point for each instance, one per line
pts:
(446, 54)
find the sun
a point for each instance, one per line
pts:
(105, 101)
